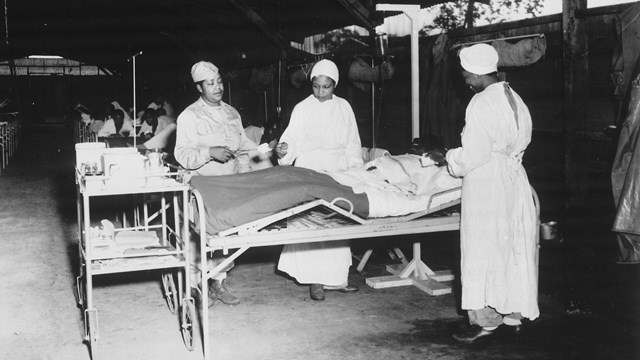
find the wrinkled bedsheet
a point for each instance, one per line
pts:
(233, 200)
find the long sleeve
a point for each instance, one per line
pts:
(246, 145)
(476, 141)
(292, 136)
(187, 152)
(353, 151)
(107, 129)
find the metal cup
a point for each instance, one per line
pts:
(156, 162)
(549, 230)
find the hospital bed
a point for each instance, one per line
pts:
(322, 215)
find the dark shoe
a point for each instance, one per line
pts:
(218, 291)
(473, 334)
(316, 292)
(344, 289)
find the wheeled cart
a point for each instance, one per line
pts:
(128, 249)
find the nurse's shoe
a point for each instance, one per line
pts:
(343, 289)
(316, 292)
(218, 291)
(473, 334)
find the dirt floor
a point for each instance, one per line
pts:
(589, 305)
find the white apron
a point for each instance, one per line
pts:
(322, 136)
(498, 220)
(325, 263)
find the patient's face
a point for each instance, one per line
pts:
(423, 145)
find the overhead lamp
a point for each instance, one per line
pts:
(44, 57)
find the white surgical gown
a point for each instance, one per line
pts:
(498, 221)
(322, 136)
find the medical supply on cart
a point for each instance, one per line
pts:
(102, 238)
(136, 239)
(126, 169)
(155, 162)
(89, 153)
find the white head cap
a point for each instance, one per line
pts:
(479, 59)
(327, 68)
(203, 70)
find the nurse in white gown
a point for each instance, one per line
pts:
(322, 135)
(498, 222)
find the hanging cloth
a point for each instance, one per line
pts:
(626, 51)
(524, 52)
(625, 180)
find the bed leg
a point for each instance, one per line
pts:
(364, 260)
(416, 273)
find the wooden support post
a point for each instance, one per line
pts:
(575, 68)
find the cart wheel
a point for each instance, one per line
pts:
(186, 322)
(170, 292)
(80, 294)
(91, 331)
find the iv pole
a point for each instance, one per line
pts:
(415, 272)
(412, 12)
(135, 112)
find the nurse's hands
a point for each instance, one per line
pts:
(221, 153)
(281, 149)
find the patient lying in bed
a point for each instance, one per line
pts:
(387, 186)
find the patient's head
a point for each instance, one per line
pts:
(149, 116)
(118, 118)
(425, 144)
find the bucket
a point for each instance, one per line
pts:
(549, 231)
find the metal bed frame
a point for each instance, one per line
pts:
(321, 220)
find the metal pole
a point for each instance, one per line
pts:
(279, 106)
(373, 109)
(266, 109)
(135, 111)
(412, 12)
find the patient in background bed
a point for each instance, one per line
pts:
(117, 125)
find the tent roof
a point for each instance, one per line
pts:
(231, 33)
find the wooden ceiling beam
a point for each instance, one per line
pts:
(257, 20)
(360, 12)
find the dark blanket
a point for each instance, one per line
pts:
(233, 200)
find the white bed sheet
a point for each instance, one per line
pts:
(397, 185)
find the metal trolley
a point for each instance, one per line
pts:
(171, 256)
